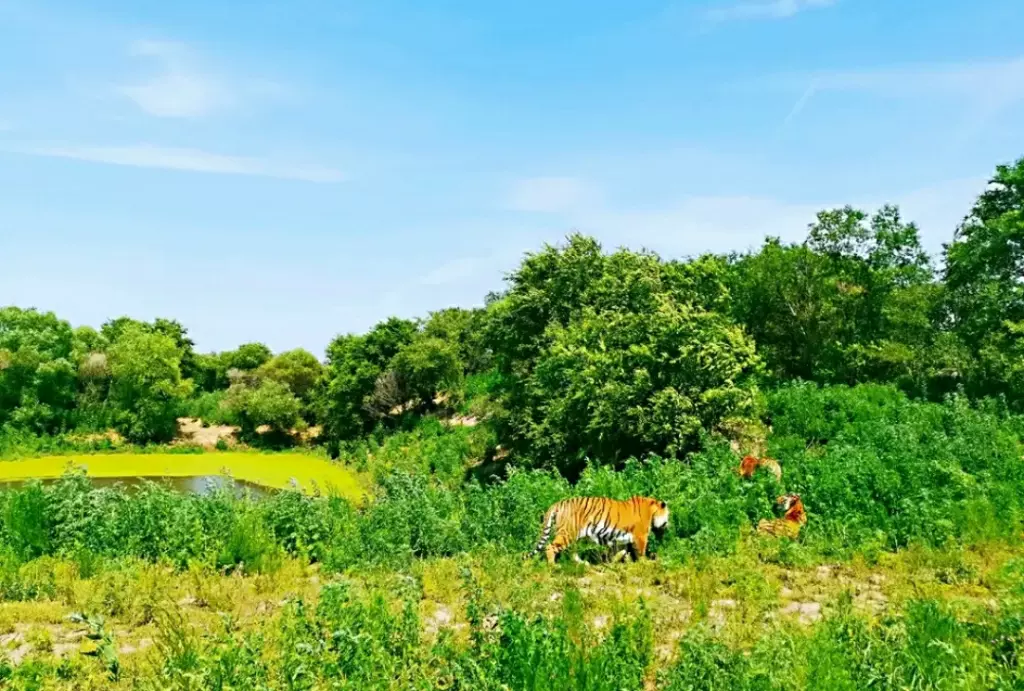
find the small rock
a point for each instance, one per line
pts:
(600, 621)
(63, 649)
(716, 614)
(128, 648)
(876, 579)
(786, 592)
(824, 573)
(442, 616)
(555, 597)
(9, 638)
(19, 653)
(807, 612)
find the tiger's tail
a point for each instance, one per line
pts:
(545, 533)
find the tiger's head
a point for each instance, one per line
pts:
(793, 507)
(659, 514)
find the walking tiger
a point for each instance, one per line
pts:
(605, 521)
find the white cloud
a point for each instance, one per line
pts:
(177, 95)
(548, 194)
(990, 80)
(181, 87)
(768, 9)
(983, 88)
(149, 156)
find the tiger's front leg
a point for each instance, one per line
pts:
(640, 545)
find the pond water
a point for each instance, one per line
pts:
(197, 472)
(198, 484)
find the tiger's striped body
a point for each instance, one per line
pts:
(791, 523)
(606, 522)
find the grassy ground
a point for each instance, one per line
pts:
(156, 621)
(269, 470)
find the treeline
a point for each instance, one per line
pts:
(585, 354)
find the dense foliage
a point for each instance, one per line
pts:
(877, 471)
(589, 356)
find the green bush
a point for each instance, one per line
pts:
(607, 357)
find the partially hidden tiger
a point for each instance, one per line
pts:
(750, 464)
(792, 521)
(606, 522)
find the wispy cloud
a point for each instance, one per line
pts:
(193, 160)
(766, 10)
(800, 103)
(183, 87)
(548, 194)
(986, 88)
(994, 80)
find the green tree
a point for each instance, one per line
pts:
(37, 377)
(465, 329)
(147, 388)
(985, 283)
(354, 365)
(298, 369)
(211, 372)
(173, 329)
(428, 367)
(248, 356)
(113, 330)
(856, 301)
(214, 371)
(607, 356)
(269, 403)
(614, 385)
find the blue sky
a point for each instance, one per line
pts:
(285, 172)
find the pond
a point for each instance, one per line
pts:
(194, 484)
(194, 472)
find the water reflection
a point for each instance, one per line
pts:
(196, 484)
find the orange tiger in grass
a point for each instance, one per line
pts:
(789, 525)
(604, 521)
(751, 463)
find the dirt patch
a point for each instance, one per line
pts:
(463, 421)
(806, 612)
(193, 431)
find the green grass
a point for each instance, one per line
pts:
(919, 619)
(909, 574)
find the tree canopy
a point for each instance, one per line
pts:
(587, 354)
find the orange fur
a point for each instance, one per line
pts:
(605, 521)
(750, 464)
(791, 523)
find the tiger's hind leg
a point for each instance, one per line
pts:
(620, 555)
(557, 545)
